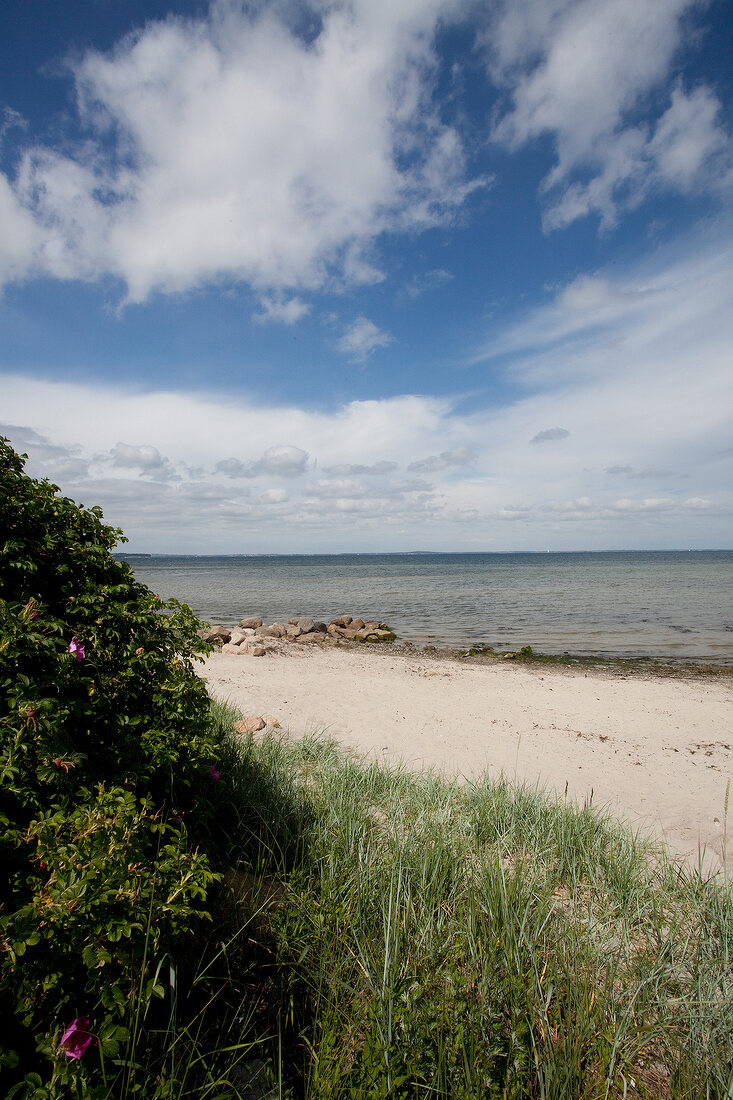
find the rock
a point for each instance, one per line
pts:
(272, 722)
(342, 620)
(293, 631)
(217, 634)
(356, 624)
(237, 636)
(320, 627)
(229, 648)
(249, 725)
(381, 635)
(267, 632)
(306, 625)
(311, 636)
(335, 630)
(256, 650)
(252, 622)
(278, 630)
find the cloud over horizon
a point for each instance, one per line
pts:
(417, 273)
(656, 428)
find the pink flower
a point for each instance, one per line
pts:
(76, 647)
(215, 774)
(76, 1038)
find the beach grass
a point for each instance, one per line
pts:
(407, 935)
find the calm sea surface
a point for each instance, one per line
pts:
(661, 604)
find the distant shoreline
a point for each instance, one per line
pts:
(632, 605)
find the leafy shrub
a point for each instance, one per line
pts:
(106, 755)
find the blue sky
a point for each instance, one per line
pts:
(372, 275)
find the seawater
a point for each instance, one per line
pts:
(672, 604)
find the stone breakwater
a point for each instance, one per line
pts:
(254, 639)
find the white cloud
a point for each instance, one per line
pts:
(278, 309)
(283, 459)
(581, 71)
(274, 496)
(549, 435)
(376, 469)
(461, 456)
(647, 504)
(426, 281)
(635, 364)
(145, 458)
(231, 146)
(361, 338)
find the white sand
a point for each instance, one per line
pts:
(654, 750)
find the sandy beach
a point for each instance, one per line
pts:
(654, 750)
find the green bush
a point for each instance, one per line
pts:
(106, 757)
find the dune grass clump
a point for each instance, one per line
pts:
(464, 940)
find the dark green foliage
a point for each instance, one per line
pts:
(105, 757)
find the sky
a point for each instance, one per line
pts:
(372, 275)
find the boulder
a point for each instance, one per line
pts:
(249, 725)
(306, 625)
(229, 648)
(335, 630)
(278, 630)
(267, 632)
(217, 634)
(272, 722)
(311, 636)
(380, 635)
(341, 620)
(293, 631)
(237, 636)
(252, 622)
(255, 650)
(356, 624)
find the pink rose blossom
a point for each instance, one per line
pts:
(76, 1038)
(76, 647)
(215, 774)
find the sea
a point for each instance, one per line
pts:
(660, 604)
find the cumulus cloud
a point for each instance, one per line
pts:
(376, 469)
(550, 434)
(233, 468)
(578, 71)
(274, 496)
(234, 145)
(461, 456)
(281, 310)
(361, 338)
(283, 459)
(639, 365)
(145, 458)
(647, 504)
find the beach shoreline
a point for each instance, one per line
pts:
(653, 749)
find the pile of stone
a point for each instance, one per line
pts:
(252, 637)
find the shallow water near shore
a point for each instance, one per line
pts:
(670, 604)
